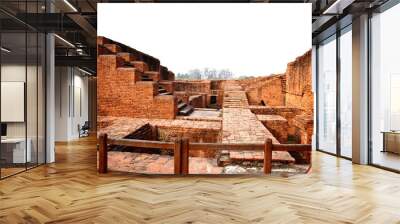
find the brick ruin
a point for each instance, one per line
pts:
(139, 98)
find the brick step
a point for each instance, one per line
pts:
(140, 65)
(145, 78)
(181, 105)
(162, 90)
(114, 48)
(165, 94)
(127, 64)
(153, 74)
(127, 57)
(186, 110)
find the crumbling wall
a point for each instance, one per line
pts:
(304, 128)
(289, 113)
(269, 90)
(120, 91)
(299, 84)
(146, 132)
(194, 134)
(193, 86)
(277, 125)
(198, 101)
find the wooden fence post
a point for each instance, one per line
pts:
(178, 157)
(309, 159)
(185, 156)
(103, 153)
(268, 156)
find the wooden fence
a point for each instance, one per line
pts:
(182, 147)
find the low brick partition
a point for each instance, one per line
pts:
(203, 114)
(289, 113)
(168, 85)
(145, 132)
(198, 101)
(277, 125)
(166, 130)
(197, 86)
(269, 89)
(304, 125)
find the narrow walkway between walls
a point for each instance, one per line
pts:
(240, 125)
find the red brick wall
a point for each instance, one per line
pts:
(289, 113)
(195, 86)
(304, 128)
(120, 94)
(277, 125)
(299, 84)
(198, 101)
(168, 85)
(181, 95)
(193, 134)
(269, 89)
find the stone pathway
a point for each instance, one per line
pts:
(234, 96)
(240, 125)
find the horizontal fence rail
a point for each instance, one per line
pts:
(141, 143)
(182, 147)
(226, 146)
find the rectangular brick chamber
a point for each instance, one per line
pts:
(171, 134)
(161, 161)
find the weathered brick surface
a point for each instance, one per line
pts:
(168, 85)
(304, 125)
(182, 95)
(270, 90)
(120, 127)
(203, 114)
(292, 89)
(158, 164)
(120, 91)
(167, 130)
(299, 84)
(114, 48)
(289, 113)
(239, 125)
(277, 125)
(198, 101)
(194, 86)
(140, 66)
(129, 103)
(128, 57)
(234, 96)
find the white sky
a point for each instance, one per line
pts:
(249, 39)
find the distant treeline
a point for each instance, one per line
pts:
(206, 73)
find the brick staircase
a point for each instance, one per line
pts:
(184, 109)
(134, 59)
(162, 91)
(134, 83)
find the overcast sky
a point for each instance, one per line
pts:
(249, 39)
